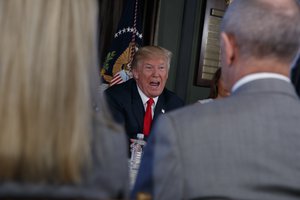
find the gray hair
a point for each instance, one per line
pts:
(263, 29)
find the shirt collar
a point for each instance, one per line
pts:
(145, 98)
(256, 76)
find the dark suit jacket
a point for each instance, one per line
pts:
(245, 146)
(127, 106)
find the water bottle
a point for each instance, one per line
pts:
(136, 156)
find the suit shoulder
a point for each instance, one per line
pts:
(172, 97)
(119, 89)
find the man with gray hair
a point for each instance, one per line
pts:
(245, 146)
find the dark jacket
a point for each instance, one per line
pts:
(127, 106)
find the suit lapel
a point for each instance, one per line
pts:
(137, 106)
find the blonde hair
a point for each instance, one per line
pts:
(47, 49)
(151, 51)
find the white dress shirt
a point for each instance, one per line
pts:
(145, 99)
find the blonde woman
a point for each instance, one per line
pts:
(56, 137)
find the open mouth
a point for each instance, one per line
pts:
(154, 84)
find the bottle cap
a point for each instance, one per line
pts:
(140, 136)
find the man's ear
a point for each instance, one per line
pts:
(229, 48)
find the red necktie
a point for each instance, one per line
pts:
(148, 117)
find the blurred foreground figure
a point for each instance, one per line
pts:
(57, 139)
(245, 146)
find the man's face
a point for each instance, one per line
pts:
(151, 75)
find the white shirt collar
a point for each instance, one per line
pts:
(256, 76)
(145, 98)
